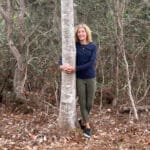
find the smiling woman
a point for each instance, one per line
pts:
(83, 34)
(85, 73)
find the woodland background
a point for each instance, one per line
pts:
(38, 40)
(41, 46)
(36, 35)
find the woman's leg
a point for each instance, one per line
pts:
(90, 95)
(91, 88)
(81, 92)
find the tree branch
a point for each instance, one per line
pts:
(21, 23)
(4, 14)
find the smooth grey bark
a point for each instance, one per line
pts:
(67, 112)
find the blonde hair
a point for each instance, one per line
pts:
(87, 30)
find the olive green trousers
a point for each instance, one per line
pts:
(86, 92)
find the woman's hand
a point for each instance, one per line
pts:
(67, 68)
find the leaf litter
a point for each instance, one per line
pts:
(39, 131)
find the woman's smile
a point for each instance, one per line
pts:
(82, 35)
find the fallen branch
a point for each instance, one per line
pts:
(139, 109)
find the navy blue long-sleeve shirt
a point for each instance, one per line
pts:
(85, 60)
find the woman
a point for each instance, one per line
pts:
(85, 73)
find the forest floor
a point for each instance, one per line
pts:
(38, 130)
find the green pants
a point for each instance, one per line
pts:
(86, 91)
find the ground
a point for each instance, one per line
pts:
(38, 130)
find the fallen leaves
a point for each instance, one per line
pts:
(39, 131)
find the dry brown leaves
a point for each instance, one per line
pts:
(39, 131)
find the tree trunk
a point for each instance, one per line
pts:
(120, 9)
(21, 68)
(67, 112)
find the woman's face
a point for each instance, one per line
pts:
(82, 35)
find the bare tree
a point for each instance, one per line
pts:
(21, 68)
(67, 112)
(120, 8)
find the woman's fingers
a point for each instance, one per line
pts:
(67, 68)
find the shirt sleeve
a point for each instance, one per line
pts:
(60, 61)
(91, 62)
